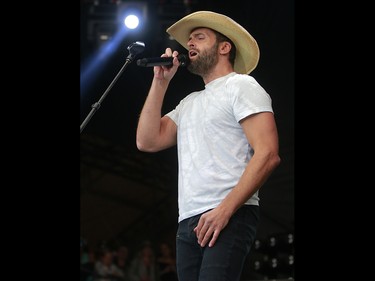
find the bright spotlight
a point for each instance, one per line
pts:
(131, 21)
(132, 14)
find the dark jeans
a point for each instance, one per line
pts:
(222, 262)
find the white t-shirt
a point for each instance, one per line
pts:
(212, 148)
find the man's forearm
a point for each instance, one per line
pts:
(148, 129)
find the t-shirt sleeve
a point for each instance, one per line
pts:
(248, 97)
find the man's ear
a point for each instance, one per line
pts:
(225, 47)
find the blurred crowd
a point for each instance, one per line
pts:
(119, 262)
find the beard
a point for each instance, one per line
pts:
(205, 62)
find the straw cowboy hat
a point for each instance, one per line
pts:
(247, 54)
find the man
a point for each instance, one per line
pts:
(227, 144)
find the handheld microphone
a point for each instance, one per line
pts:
(166, 61)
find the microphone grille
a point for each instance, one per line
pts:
(183, 59)
(142, 62)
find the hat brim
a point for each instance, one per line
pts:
(247, 54)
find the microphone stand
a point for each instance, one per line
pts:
(134, 49)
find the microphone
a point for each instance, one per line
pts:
(166, 61)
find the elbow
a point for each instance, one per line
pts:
(145, 147)
(275, 160)
(142, 147)
(141, 143)
(271, 159)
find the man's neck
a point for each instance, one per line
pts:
(216, 73)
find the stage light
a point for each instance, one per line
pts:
(131, 21)
(132, 15)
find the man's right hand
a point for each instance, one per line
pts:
(167, 72)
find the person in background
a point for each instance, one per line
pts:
(227, 144)
(143, 265)
(122, 260)
(105, 269)
(166, 262)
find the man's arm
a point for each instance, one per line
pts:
(155, 132)
(261, 132)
